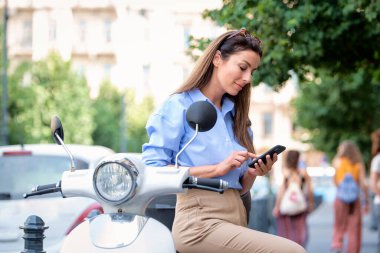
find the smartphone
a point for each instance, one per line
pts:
(275, 150)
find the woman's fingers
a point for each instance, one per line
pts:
(271, 161)
(263, 168)
(260, 168)
(233, 161)
(240, 156)
(252, 155)
(237, 158)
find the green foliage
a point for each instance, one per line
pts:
(137, 116)
(336, 107)
(299, 34)
(41, 89)
(337, 42)
(196, 46)
(108, 116)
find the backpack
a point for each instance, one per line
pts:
(348, 190)
(294, 201)
(347, 175)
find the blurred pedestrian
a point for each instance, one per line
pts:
(375, 179)
(349, 179)
(293, 225)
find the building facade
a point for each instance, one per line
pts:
(137, 44)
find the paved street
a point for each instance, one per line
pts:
(321, 225)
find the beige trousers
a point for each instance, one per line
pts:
(207, 221)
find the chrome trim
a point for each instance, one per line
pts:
(131, 170)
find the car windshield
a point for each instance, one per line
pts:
(19, 174)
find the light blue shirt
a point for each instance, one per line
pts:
(168, 132)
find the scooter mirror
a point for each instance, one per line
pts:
(58, 136)
(202, 113)
(56, 129)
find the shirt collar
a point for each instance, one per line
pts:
(227, 105)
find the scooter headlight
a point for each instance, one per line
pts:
(115, 181)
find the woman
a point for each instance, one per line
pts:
(294, 227)
(375, 179)
(347, 216)
(207, 221)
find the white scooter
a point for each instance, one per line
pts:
(124, 187)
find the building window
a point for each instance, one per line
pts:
(26, 39)
(267, 89)
(146, 33)
(81, 70)
(107, 70)
(186, 36)
(52, 30)
(294, 128)
(143, 13)
(146, 75)
(185, 73)
(82, 31)
(107, 30)
(268, 124)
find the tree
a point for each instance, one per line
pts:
(332, 46)
(39, 90)
(338, 108)
(107, 116)
(137, 116)
(108, 110)
(301, 34)
(3, 86)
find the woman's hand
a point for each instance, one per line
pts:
(276, 212)
(260, 170)
(233, 161)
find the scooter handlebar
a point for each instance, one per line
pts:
(44, 189)
(210, 184)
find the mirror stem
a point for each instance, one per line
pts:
(187, 144)
(72, 169)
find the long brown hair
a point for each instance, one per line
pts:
(375, 138)
(228, 44)
(349, 150)
(291, 160)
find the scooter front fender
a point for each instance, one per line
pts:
(119, 233)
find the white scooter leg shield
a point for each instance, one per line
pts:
(119, 233)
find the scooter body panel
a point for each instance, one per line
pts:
(123, 234)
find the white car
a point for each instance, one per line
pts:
(24, 166)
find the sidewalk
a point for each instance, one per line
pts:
(321, 226)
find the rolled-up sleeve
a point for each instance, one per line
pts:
(164, 137)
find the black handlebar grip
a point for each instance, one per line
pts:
(45, 187)
(210, 182)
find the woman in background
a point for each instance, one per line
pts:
(375, 179)
(347, 216)
(294, 227)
